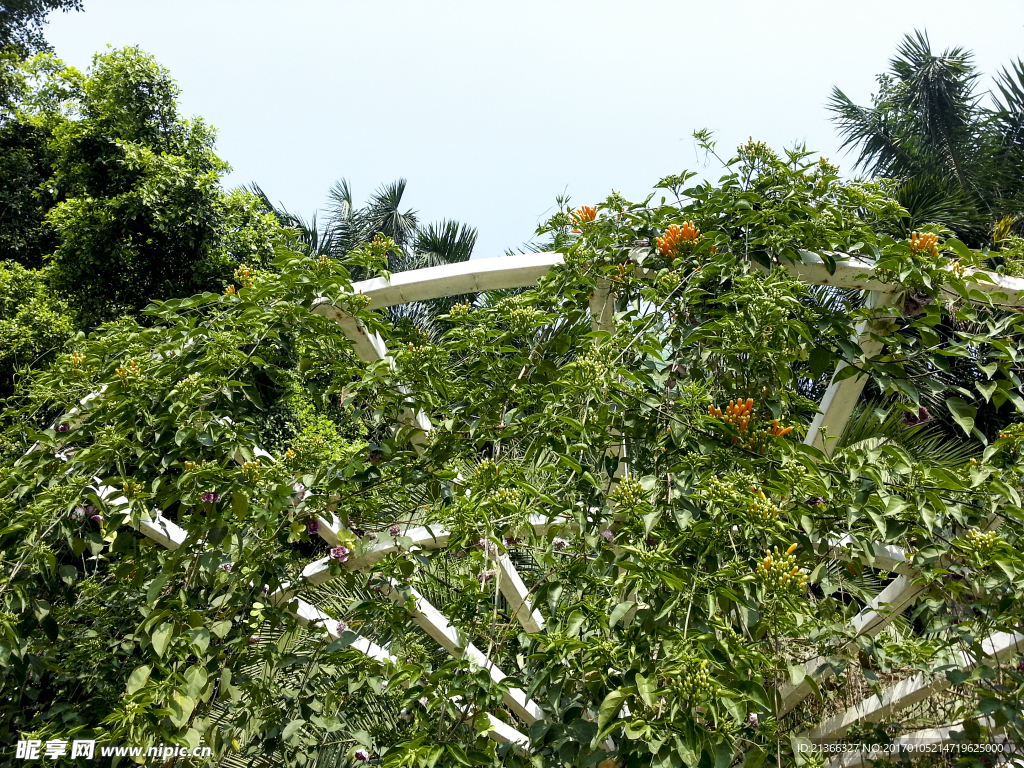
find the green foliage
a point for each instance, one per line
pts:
(648, 481)
(24, 168)
(141, 215)
(956, 160)
(34, 325)
(22, 21)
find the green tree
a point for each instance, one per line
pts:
(34, 324)
(348, 228)
(22, 21)
(140, 214)
(954, 159)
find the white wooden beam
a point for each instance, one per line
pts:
(448, 637)
(518, 596)
(602, 306)
(905, 693)
(875, 616)
(472, 276)
(841, 397)
(907, 746)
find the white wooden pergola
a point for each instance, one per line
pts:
(837, 405)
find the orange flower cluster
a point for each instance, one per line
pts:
(676, 237)
(924, 243)
(130, 370)
(737, 414)
(584, 215)
(230, 290)
(778, 431)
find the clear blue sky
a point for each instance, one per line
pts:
(491, 109)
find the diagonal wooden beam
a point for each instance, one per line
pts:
(905, 693)
(448, 637)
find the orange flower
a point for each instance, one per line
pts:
(778, 431)
(924, 243)
(676, 237)
(585, 213)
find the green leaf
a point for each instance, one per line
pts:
(962, 412)
(195, 679)
(646, 688)
(200, 640)
(987, 388)
(821, 360)
(292, 729)
(619, 611)
(138, 679)
(610, 707)
(181, 709)
(162, 638)
(155, 588)
(221, 628)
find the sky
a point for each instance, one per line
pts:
(491, 110)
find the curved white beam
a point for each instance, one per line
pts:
(472, 276)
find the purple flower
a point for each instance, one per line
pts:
(313, 526)
(608, 536)
(485, 576)
(559, 543)
(394, 530)
(63, 427)
(923, 416)
(362, 756)
(342, 626)
(753, 720)
(340, 554)
(226, 567)
(299, 492)
(211, 498)
(97, 518)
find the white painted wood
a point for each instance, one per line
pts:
(518, 596)
(841, 397)
(368, 345)
(907, 692)
(449, 638)
(874, 617)
(884, 557)
(853, 271)
(503, 733)
(602, 306)
(471, 276)
(925, 736)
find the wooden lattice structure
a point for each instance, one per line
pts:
(835, 410)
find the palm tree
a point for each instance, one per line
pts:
(955, 161)
(347, 227)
